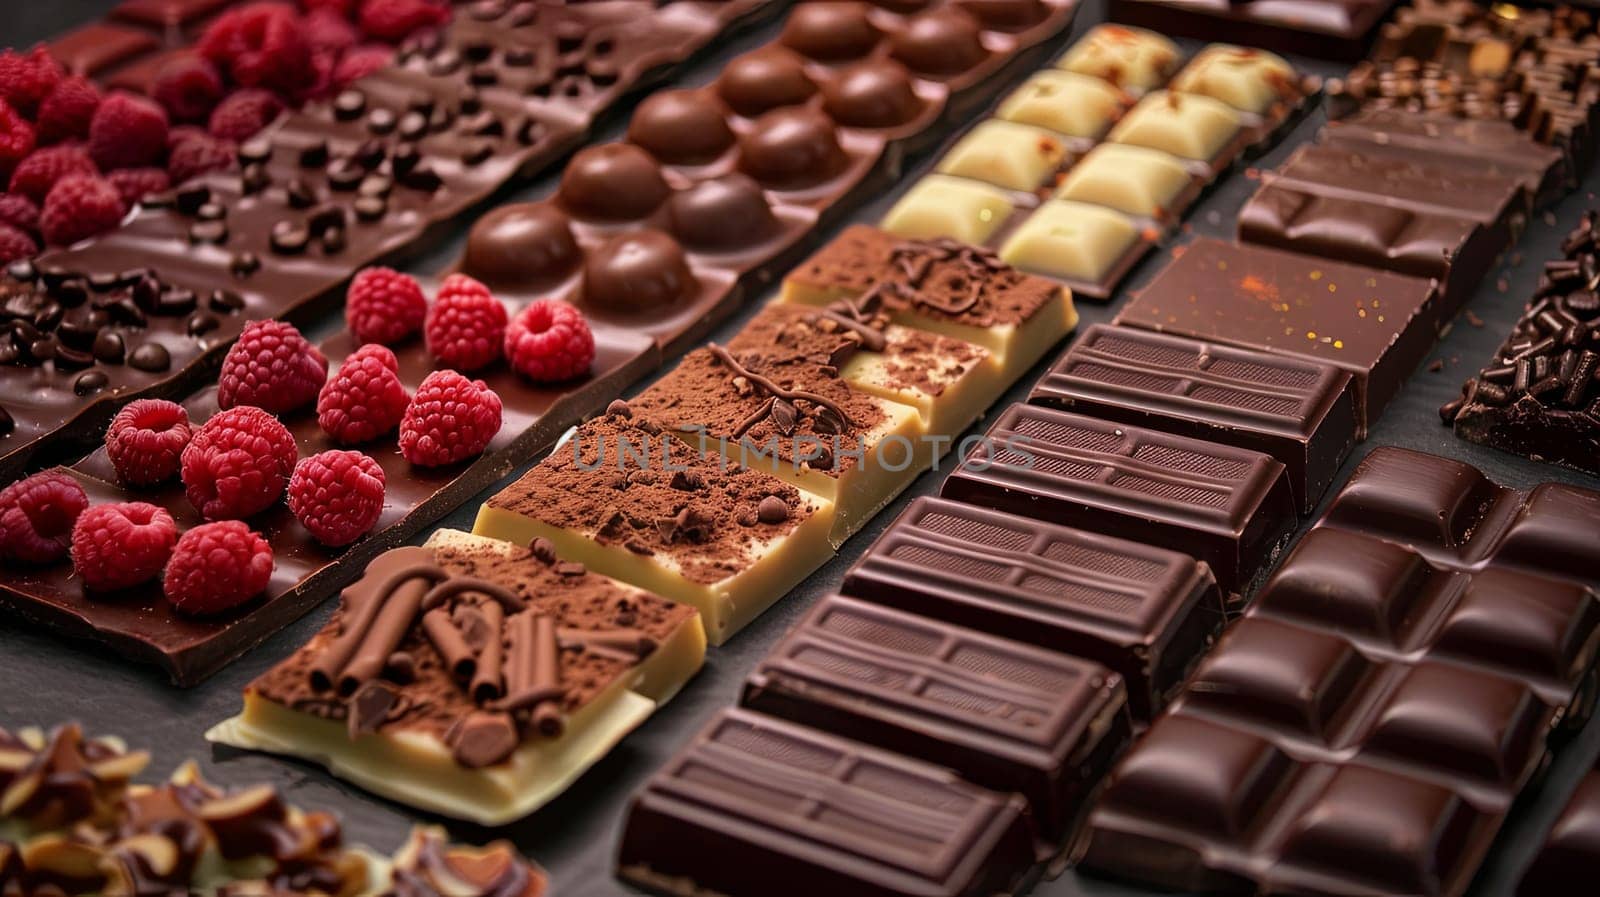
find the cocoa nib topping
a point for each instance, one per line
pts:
(782, 407)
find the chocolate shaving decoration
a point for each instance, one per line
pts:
(546, 716)
(457, 585)
(459, 657)
(626, 645)
(482, 739)
(543, 549)
(773, 389)
(487, 685)
(784, 416)
(853, 318)
(396, 568)
(474, 628)
(827, 423)
(915, 260)
(370, 707)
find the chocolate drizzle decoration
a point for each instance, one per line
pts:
(777, 394)
(914, 260)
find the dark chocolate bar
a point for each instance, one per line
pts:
(1002, 714)
(1571, 849)
(1374, 324)
(1229, 507)
(1299, 411)
(1145, 612)
(1327, 29)
(755, 805)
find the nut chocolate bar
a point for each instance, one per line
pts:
(1328, 29)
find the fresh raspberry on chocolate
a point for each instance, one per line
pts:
(238, 463)
(14, 245)
(395, 20)
(36, 174)
(189, 87)
(20, 212)
(17, 138)
(27, 78)
(146, 441)
(36, 517)
(273, 367)
(330, 31)
(450, 419)
(359, 62)
(134, 184)
(128, 131)
(549, 341)
(343, 8)
(78, 207)
(466, 325)
(119, 545)
(261, 45)
(66, 113)
(364, 398)
(244, 112)
(217, 567)
(196, 154)
(384, 306)
(337, 496)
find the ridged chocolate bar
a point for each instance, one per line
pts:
(1229, 507)
(1004, 715)
(755, 805)
(1145, 612)
(1299, 411)
(1571, 849)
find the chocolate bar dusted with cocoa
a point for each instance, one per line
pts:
(807, 812)
(1146, 612)
(1229, 507)
(1540, 394)
(1299, 411)
(82, 828)
(1002, 714)
(471, 677)
(1327, 29)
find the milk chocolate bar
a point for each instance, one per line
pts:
(1001, 714)
(806, 812)
(1327, 29)
(1146, 612)
(1571, 846)
(471, 677)
(1298, 411)
(1229, 507)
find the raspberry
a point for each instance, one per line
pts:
(549, 341)
(384, 306)
(40, 171)
(36, 517)
(66, 113)
(17, 138)
(189, 87)
(134, 184)
(25, 80)
(146, 440)
(330, 31)
(243, 113)
(14, 244)
(364, 398)
(451, 418)
(20, 212)
(80, 206)
(272, 367)
(394, 20)
(127, 131)
(216, 567)
(123, 544)
(197, 154)
(466, 326)
(261, 45)
(236, 465)
(341, 7)
(337, 496)
(359, 62)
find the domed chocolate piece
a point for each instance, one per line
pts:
(791, 148)
(637, 271)
(763, 80)
(729, 212)
(875, 94)
(521, 245)
(942, 42)
(831, 32)
(615, 181)
(1007, 13)
(681, 127)
(904, 7)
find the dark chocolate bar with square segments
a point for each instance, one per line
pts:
(1143, 611)
(1570, 851)
(1229, 507)
(1299, 411)
(1327, 29)
(1004, 715)
(757, 805)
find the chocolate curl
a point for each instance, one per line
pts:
(456, 585)
(533, 679)
(486, 685)
(448, 641)
(363, 609)
(393, 621)
(546, 675)
(519, 666)
(627, 645)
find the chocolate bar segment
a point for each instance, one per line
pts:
(1374, 324)
(1327, 29)
(1572, 846)
(1002, 714)
(803, 812)
(1298, 411)
(1143, 611)
(1229, 507)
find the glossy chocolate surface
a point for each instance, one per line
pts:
(1572, 846)
(1330, 29)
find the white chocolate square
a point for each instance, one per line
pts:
(1006, 154)
(1190, 125)
(1070, 240)
(1130, 58)
(1131, 179)
(1065, 102)
(1243, 77)
(942, 206)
